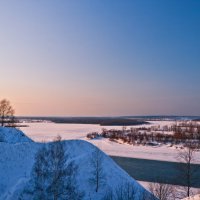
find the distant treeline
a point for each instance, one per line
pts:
(103, 121)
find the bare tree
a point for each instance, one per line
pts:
(40, 174)
(162, 191)
(188, 171)
(6, 111)
(97, 174)
(62, 180)
(57, 169)
(126, 191)
(36, 188)
(53, 174)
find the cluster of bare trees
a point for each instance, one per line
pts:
(53, 175)
(124, 191)
(187, 173)
(186, 131)
(163, 191)
(146, 136)
(6, 113)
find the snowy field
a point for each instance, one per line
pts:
(47, 131)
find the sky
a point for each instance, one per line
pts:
(100, 57)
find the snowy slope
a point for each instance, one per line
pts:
(12, 135)
(17, 161)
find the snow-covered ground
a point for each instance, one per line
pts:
(47, 131)
(195, 192)
(17, 154)
(17, 159)
(195, 197)
(12, 136)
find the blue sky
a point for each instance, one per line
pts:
(92, 57)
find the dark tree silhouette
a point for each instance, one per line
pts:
(187, 170)
(162, 191)
(53, 174)
(127, 191)
(97, 174)
(6, 112)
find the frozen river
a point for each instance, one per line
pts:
(47, 131)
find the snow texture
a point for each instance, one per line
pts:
(17, 154)
(12, 136)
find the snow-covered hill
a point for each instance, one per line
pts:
(17, 159)
(12, 135)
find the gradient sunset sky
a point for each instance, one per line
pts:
(100, 57)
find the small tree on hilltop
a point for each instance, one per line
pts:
(6, 112)
(40, 174)
(97, 174)
(62, 173)
(53, 175)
